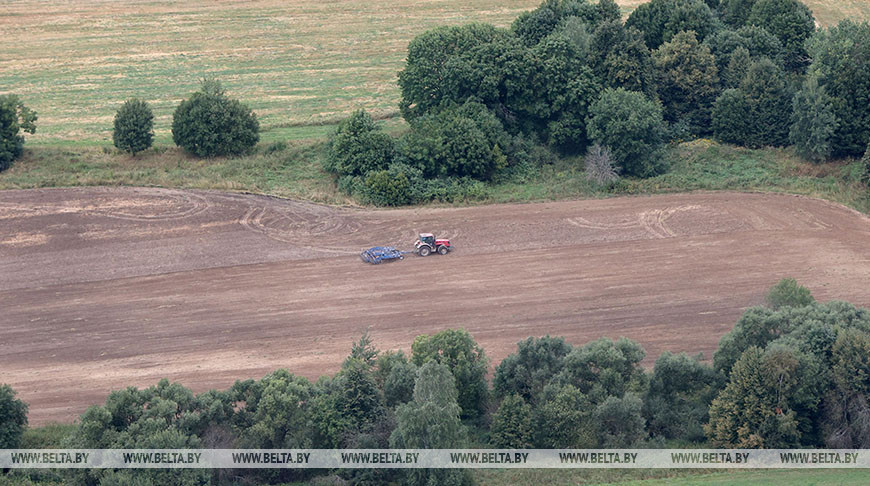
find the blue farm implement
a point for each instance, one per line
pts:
(379, 254)
(425, 246)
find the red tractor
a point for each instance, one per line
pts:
(428, 244)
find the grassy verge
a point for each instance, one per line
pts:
(703, 165)
(657, 477)
(293, 170)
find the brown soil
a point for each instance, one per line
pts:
(102, 288)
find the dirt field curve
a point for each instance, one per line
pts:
(102, 288)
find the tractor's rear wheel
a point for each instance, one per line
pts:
(425, 250)
(442, 250)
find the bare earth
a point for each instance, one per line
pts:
(103, 288)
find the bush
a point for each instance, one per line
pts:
(395, 186)
(210, 124)
(787, 293)
(13, 418)
(358, 146)
(632, 127)
(457, 141)
(134, 127)
(14, 117)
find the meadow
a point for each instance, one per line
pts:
(301, 65)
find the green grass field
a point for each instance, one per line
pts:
(302, 65)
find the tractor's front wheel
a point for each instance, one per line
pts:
(442, 250)
(424, 251)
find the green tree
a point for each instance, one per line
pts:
(464, 358)
(569, 87)
(621, 59)
(526, 372)
(735, 13)
(563, 419)
(210, 124)
(13, 418)
(738, 67)
(277, 411)
(788, 293)
(457, 141)
(661, 20)
(758, 112)
(512, 424)
(846, 418)
(428, 60)
(757, 408)
(133, 127)
(841, 59)
(757, 41)
(688, 80)
(535, 25)
(632, 127)
(347, 405)
(619, 421)
(166, 416)
(603, 368)
(759, 326)
(431, 421)
(358, 146)
(14, 118)
(791, 22)
(678, 398)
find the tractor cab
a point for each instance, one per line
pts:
(428, 244)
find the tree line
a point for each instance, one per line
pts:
(572, 77)
(793, 373)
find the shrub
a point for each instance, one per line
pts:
(13, 418)
(134, 127)
(14, 118)
(787, 293)
(391, 187)
(457, 141)
(210, 124)
(632, 127)
(358, 146)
